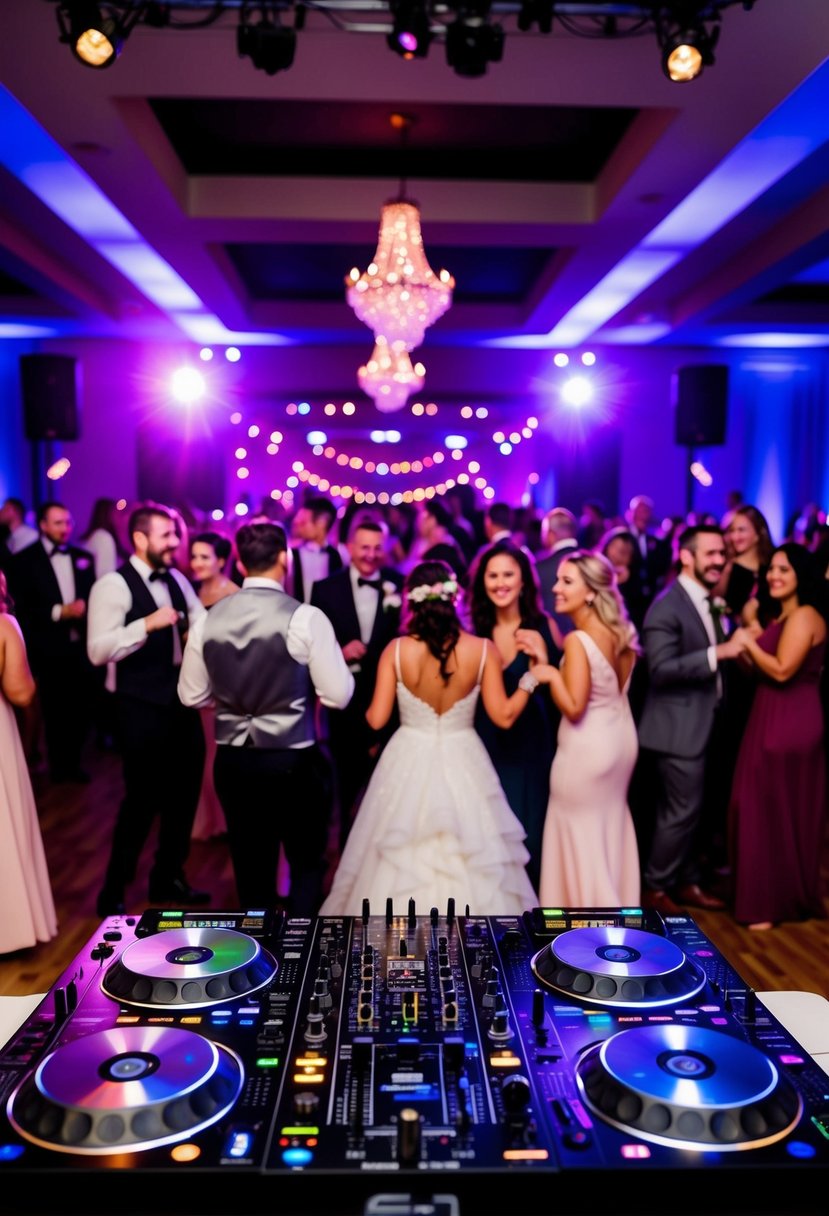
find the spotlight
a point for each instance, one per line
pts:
(411, 35)
(94, 32)
(685, 52)
(472, 43)
(269, 45)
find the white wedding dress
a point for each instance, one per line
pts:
(434, 823)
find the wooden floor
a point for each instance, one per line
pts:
(76, 822)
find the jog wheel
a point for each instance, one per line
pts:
(189, 968)
(688, 1087)
(616, 966)
(127, 1089)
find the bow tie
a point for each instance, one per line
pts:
(161, 576)
(59, 549)
(370, 582)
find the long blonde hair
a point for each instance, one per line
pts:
(600, 579)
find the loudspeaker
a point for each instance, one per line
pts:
(701, 404)
(49, 385)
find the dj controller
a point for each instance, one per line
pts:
(401, 1064)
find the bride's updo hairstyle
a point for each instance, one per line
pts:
(431, 616)
(600, 580)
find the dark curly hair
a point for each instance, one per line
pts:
(482, 609)
(433, 621)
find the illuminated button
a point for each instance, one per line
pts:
(297, 1157)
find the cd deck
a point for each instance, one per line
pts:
(566, 1060)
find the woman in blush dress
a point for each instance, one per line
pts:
(504, 599)
(434, 823)
(777, 815)
(209, 557)
(27, 909)
(589, 855)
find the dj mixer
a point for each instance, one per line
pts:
(401, 1064)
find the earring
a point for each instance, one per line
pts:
(589, 602)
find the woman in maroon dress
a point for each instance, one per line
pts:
(777, 813)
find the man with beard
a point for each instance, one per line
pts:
(139, 616)
(684, 646)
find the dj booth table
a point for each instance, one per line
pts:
(565, 1060)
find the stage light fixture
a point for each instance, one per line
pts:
(686, 51)
(269, 45)
(471, 42)
(94, 32)
(411, 35)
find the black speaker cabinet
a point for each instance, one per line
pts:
(49, 386)
(701, 404)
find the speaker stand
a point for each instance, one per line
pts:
(689, 483)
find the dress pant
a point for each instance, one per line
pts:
(672, 858)
(66, 691)
(273, 797)
(162, 754)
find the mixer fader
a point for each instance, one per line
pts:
(438, 1063)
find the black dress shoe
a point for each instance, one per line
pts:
(693, 896)
(661, 902)
(110, 905)
(177, 892)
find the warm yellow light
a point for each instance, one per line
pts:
(684, 63)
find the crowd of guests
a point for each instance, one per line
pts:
(491, 704)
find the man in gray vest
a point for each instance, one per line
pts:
(261, 657)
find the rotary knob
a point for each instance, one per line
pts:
(515, 1092)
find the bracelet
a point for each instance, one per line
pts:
(528, 683)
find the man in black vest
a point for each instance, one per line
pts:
(261, 658)
(139, 616)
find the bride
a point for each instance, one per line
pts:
(434, 822)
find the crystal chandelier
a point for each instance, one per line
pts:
(389, 377)
(398, 297)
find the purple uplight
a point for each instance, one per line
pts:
(408, 41)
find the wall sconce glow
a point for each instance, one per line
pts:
(187, 385)
(577, 391)
(701, 474)
(233, 354)
(561, 360)
(59, 469)
(205, 354)
(454, 442)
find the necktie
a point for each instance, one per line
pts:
(369, 582)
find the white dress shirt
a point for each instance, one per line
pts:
(310, 641)
(108, 639)
(314, 562)
(702, 602)
(366, 601)
(64, 573)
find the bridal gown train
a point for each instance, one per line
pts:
(589, 855)
(434, 822)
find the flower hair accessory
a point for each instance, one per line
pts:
(436, 591)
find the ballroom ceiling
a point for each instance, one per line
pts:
(575, 193)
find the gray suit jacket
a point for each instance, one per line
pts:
(547, 570)
(682, 689)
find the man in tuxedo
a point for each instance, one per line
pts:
(685, 648)
(363, 604)
(260, 657)
(139, 616)
(50, 582)
(653, 553)
(314, 558)
(558, 534)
